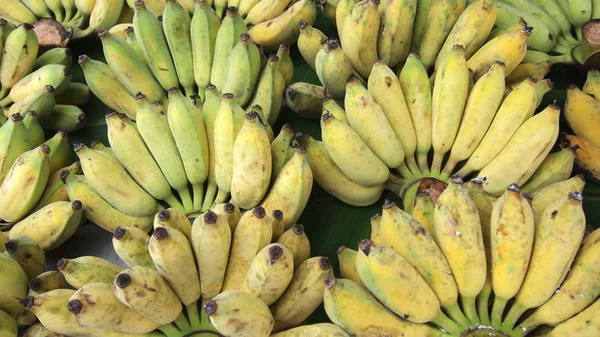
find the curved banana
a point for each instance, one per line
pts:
(279, 148)
(582, 112)
(47, 281)
(210, 108)
(55, 189)
(104, 15)
(76, 93)
(19, 53)
(443, 15)
(509, 17)
(87, 269)
(176, 24)
(14, 141)
(585, 155)
(28, 254)
(130, 245)
(359, 36)
(270, 273)
(347, 260)
(537, 70)
(269, 92)
(230, 212)
(14, 286)
(396, 26)
(41, 101)
(204, 29)
(592, 83)
(55, 75)
(342, 11)
(556, 167)
(309, 42)
(36, 133)
(223, 311)
(17, 12)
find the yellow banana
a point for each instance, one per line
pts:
(305, 99)
(55, 75)
(47, 281)
(551, 193)
(104, 15)
(543, 87)
(296, 241)
(55, 189)
(266, 10)
(40, 101)
(396, 26)
(342, 11)
(176, 24)
(269, 92)
(279, 148)
(423, 212)
(359, 36)
(210, 108)
(211, 241)
(516, 108)
(87, 269)
(585, 155)
(172, 218)
(443, 14)
(309, 42)
(19, 53)
(230, 212)
(223, 311)
(347, 260)
(16, 11)
(277, 224)
(583, 324)
(556, 167)
(583, 114)
(59, 151)
(246, 6)
(13, 286)
(314, 330)
(333, 68)
(285, 63)
(270, 273)
(15, 140)
(592, 83)
(558, 234)
(130, 243)
(303, 295)
(204, 28)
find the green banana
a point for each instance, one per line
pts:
(130, 244)
(285, 63)
(55, 75)
(243, 70)
(62, 56)
(36, 133)
(204, 29)
(176, 24)
(578, 12)
(227, 36)
(41, 101)
(60, 152)
(47, 281)
(14, 141)
(75, 94)
(87, 269)
(228, 122)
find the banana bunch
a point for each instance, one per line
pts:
(433, 272)
(39, 85)
(224, 272)
(57, 22)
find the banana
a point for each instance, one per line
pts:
(314, 330)
(243, 70)
(585, 156)
(396, 26)
(172, 218)
(187, 127)
(359, 36)
(266, 10)
(85, 7)
(459, 235)
(578, 12)
(516, 108)
(38, 330)
(150, 36)
(333, 68)
(579, 289)
(211, 241)
(511, 237)
(106, 86)
(509, 17)
(172, 254)
(555, 167)
(537, 70)
(19, 53)
(246, 6)
(368, 317)
(252, 234)
(210, 109)
(228, 122)
(67, 118)
(270, 273)
(36, 133)
(131, 40)
(583, 114)
(98, 210)
(104, 15)
(130, 245)
(124, 140)
(8, 325)
(592, 83)
(159, 302)
(17, 12)
(481, 107)
(347, 260)
(176, 24)
(62, 56)
(129, 69)
(269, 92)
(329, 9)
(449, 98)
(77, 94)
(55, 189)
(47, 281)
(309, 42)
(223, 312)
(59, 151)
(342, 11)
(303, 295)
(95, 306)
(423, 212)
(251, 165)
(14, 286)
(442, 16)
(305, 99)
(543, 197)
(41, 101)
(583, 324)
(559, 231)
(284, 28)
(291, 190)
(385, 88)
(55, 75)
(230, 212)
(153, 125)
(555, 11)
(28, 254)
(87, 269)
(528, 147)
(14, 142)
(296, 241)
(224, 42)
(285, 63)
(279, 148)
(204, 29)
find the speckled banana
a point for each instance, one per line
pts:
(305, 99)
(279, 148)
(210, 108)
(130, 245)
(131, 71)
(303, 295)
(159, 303)
(55, 75)
(582, 112)
(556, 167)
(295, 183)
(442, 16)
(228, 122)
(592, 83)
(242, 70)
(41, 101)
(449, 98)
(580, 289)
(396, 26)
(176, 24)
(106, 86)
(333, 68)
(14, 286)
(285, 27)
(359, 36)
(296, 241)
(211, 241)
(559, 231)
(342, 11)
(227, 37)
(266, 10)
(385, 88)
(28, 254)
(368, 317)
(230, 212)
(423, 212)
(309, 42)
(270, 273)
(14, 141)
(516, 108)
(481, 107)
(269, 92)
(36, 133)
(55, 189)
(98, 210)
(583, 324)
(87, 269)
(528, 147)
(223, 313)
(314, 330)
(95, 306)
(153, 124)
(204, 27)
(19, 53)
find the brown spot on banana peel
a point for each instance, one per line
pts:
(123, 280)
(49, 88)
(210, 217)
(119, 233)
(74, 306)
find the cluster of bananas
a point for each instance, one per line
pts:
(250, 273)
(582, 111)
(38, 85)
(433, 272)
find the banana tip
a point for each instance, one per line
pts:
(273, 58)
(229, 207)
(16, 117)
(173, 91)
(11, 246)
(164, 215)
(45, 149)
(290, 93)
(232, 10)
(330, 282)
(74, 306)
(27, 26)
(76, 205)
(278, 214)
(477, 181)
(139, 96)
(514, 188)
(119, 233)
(298, 228)
(251, 115)
(575, 195)
(63, 175)
(259, 212)
(3, 22)
(82, 59)
(325, 263)
(35, 284)
(303, 24)
(49, 88)
(210, 217)
(301, 149)
(275, 252)
(375, 217)
(62, 263)
(287, 128)
(457, 179)
(27, 302)
(160, 233)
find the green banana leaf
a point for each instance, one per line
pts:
(329, 223)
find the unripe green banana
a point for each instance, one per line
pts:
(305, 99)
(17, 198)
(14, 141)
(285, 63)
(159, 302)
(176, 24)
(18, 56)
(62, 56)
(303, 295)
(41, 101)
(172, 218)
(211, 240)
(359, 36)
(309, 42)
(55, 75)
(540, 38)
(204, 29)
(131, 40)
(76, 93)
(296, 241)
(13, 286)
(98, 210)
(107, 87)
(269, 93)
(578, 12)
(333, 68)
(130, 244)
(279, 148)
(270, 273)
(227, 37)
(87, 269)
(228, 122)
(28, 254)
(242, 70)
(258, 322)
(36, 133)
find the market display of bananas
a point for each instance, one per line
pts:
(472, 264)
(223, 273)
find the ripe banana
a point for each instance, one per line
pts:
(17, 12)
(55, 189)
(18, 55)
(285, 63)
(270, 273)
(228, 122)
(537, 70)
(172, 218)
(443, 14)
(309, 42)
(36, 133)
(314, 330)
(230, 212)
(210, 108)
(583, 324)
(40, 101)
(87, 269)
(265, 10)
(585, 155)
(14, 286)
(204, 29)
(296, 241)
(223, 311)
(269, 92)
(55, 75)
(583, 114)
(556, 167)
(130, 244)
(47, 281)
(14, 141)
(333, 68)
(423, 212)
(347, 260)
(279, 149)
(396, 26)
(359, 36)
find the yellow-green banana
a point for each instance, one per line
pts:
(87, 269)
(55, 75)
(269, 93)
(242, 70)
(228, 122)
(104, 15)
(359, 36)
(210, 109)
(223, 311)
(443, 14)
(176, 24)
(172, 218)
(41, 101)
(130, 243)
(28, 254)
(204, 29)
(305, 99)
(55, 189)
(270, 273)
(314, 330)
(14, 286)
(296, 241)
(279, 148)
(14, 141)
(556, 167)
(309, 42)
(226, 38)
(18, 55)
(266, 10)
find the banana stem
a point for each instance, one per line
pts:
(404, 171)
(6, 100)
(193, 315)
(395, 184)
(412, 165)
(447, 324)
(423, 165)
(453, 310)
(222, 196)
(468, 304)
(170, 330)
(174, 203)
(560, 49)
(483, 304)
(579, 33)
(3, 92)
(182, 323)
(198, 191)
(436, 165)
(449, 167)
(186, 199)
(209, 198)
(513, 316)
(498, 311)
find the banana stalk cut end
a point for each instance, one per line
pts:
(11, 246)
(340, 249)
(330, 282)
(50, 33)
(119, 233)
(210, 307)
(325, 263)
(123, 280)
(27, 302)
(259, 212)
(74, 306)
